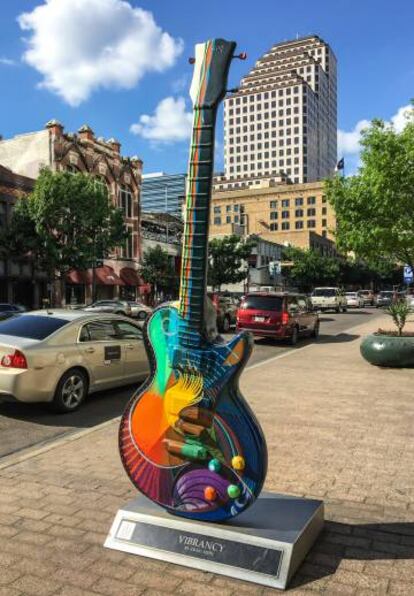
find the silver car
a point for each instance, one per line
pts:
(354, 300)
(61, 356)
(140, 311)
(119, 307)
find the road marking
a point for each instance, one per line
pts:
(49, 444)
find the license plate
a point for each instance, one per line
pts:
(259, 319)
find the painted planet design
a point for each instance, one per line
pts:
(189, 490)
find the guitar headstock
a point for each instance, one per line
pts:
(211, 67)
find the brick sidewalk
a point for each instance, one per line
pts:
(337, 429)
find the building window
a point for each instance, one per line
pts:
(323, 210)
(285, 214)
(228, 219)
(285, 225)
(236, 219)
(285, 203)
(128, 247)
(299, 225)
(299, 202)
(235, 208)
(311, 212)
(228, 208)
(273, 227)
(217, 221)
(217, 209)
(311, 200)
(273, 204)
(126, 201)
(324, 224)
(273, 215)
(299, 213)
(311, 223)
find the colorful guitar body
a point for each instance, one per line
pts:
(188, 440)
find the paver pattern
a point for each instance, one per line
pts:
(337, 429)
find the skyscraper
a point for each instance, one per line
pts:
(282, 121)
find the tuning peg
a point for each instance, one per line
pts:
(191, 60)
(241, 56)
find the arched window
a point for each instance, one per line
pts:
(125, 201)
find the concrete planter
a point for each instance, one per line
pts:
(388, 350)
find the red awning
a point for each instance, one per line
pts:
(105, 276)
(129, 276)
(77, 277)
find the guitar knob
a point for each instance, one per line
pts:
(238, 463)
(210, 493)
(214, 465)
(233, 491)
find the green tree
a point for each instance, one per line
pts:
(375, 208)
(309, 268)
(66, 223)
(225, 258)
(157, 270)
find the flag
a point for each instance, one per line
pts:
(340, 165)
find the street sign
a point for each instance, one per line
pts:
(408, 275)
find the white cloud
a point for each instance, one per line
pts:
(82, 45)
(170, 122)
(349, 142)
(7, 61)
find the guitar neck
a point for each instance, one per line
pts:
(193, 279)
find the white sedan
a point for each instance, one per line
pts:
(354, 300)
(60, 356)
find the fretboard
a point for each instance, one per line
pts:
(195, 239)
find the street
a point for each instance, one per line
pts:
(24, 426)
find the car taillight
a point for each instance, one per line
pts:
(15, 360)
(285, 317)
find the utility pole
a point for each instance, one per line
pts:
(166, 209)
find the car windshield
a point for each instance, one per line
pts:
(31, 327)
(351, 294)
(324, 292)
(385, 294)
(365, 291)
(262, 303)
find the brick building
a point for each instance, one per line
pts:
(20, 282)
(27, 153)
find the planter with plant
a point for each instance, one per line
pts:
(394, 347)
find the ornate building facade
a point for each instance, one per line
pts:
(26, 154)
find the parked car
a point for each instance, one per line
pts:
(226, 307)
(62, 355)
(354, 300)
(368, 297)
(410, 298)
(118, 307)
(328, 299)
(278, 315)
(6, 308)
(384, 298)
(140, 311)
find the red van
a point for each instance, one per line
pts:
(278, 315)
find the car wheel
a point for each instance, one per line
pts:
(71, 391)
(344, 309)
(337, 310)
(226, 325)
(315, 332)
(293, 340)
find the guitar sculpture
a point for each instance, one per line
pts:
(188, 440)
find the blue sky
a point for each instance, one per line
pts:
(53, 64)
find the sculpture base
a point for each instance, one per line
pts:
(265, 544)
